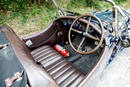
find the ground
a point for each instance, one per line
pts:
(117, 74)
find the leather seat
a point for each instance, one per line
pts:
(58, 67)
(37, 76)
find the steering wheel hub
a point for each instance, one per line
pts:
(85, 34)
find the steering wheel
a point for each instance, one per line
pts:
(85, 33)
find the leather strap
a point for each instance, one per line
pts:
(9, 81)
(3, 46)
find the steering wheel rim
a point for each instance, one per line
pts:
(101, 32)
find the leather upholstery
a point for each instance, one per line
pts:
(55, 32)
(37, 76)
(58, 67)
(47, 36)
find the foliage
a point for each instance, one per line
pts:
(41, 11)
(89, 3)
(13, 5)
(20, 5)
(119, 1)
(31, 7)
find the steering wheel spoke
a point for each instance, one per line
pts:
(77, 31)
(89, 20)
(95, 28)
(93, 37)
(81, 43)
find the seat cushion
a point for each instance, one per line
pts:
(62, 71)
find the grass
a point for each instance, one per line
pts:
(33, 21)
(38, 18)
(127, 4)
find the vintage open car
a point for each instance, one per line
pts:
(92, 41)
